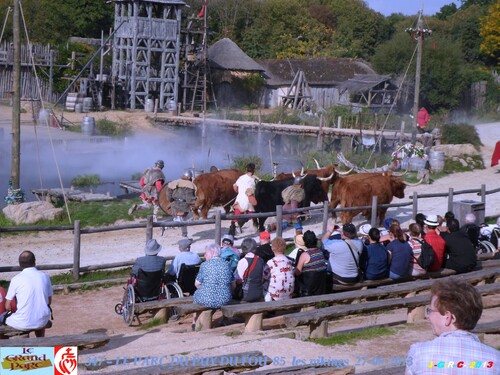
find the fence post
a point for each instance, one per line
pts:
(450, 199)
(483, 193)
(415, 204)
(325, 216)
(279, 221)
(76, 250)
(218, 226)
(373, 220)
(149, 228)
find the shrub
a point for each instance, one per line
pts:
(86, 180)
(241, 163)
(459, 134)
(111, 128)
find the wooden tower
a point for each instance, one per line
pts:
(146, 52)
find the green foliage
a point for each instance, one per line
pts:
(460, 134)
(86, 180)
(241, 163)
(155, 322)
(136, 176)
(353, 336)
(67, 278)
(112, 128)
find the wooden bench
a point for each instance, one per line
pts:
(253, 312)
(7, 331)
(488, 328)
(82, 341)
(484, 264)
(317, 320)
(161, 304)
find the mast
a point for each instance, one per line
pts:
(419, 37)
(16, 100)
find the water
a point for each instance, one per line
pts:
(181, 147)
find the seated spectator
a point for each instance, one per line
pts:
(150, 262)
(264, 249)
(419, 219)
(495, 235)
(184, 257)
(33, 292)
(401, 254)
(228, 252)
(214, 281)
(344, 255)
(300, 247)
(311, 268)
(471, 229)
(454, 311)
(363, 233)
(251, 272)
(433, 238)
(460, 254)
(374, 259)
(281, 274)
(415, 242)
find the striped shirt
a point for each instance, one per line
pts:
(457, 352)
(316, 263)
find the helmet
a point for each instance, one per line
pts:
(188, 174)
(160, 164)
(297, 180)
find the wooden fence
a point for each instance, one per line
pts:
(324, 211)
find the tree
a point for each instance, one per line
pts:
(490, 32)
(446, 11)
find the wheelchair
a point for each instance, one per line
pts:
(183, 287)
(144, 287)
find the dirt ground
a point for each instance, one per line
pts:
(93, 310)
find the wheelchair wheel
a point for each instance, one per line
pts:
(485, 247)
(173, 290)
(128, 305)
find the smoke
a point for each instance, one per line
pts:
(116, 160)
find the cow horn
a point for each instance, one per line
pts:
(317, 164)
(326, 178)
(293, 175)
(414, 183)
(302, 172)
(257, 178)
(345, 172)
(400, 174)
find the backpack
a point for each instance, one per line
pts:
(229, 256)
(426, 256)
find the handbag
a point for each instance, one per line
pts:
(240, 289)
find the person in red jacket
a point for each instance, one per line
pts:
(432, 237)
(422, 119)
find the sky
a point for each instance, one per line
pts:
(409, 7)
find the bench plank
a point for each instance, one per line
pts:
(82, 341)
(488, 328)
(388, 291)
(316, 317)
(161, 304)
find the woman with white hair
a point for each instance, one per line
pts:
(214, 281)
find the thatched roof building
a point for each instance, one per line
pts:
(226, 55)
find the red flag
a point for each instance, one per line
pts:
(202, 11)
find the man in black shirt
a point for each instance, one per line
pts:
(460, 254)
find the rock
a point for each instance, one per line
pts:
(457, 150)
(463, 162)
(31, 212)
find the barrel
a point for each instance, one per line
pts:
(43, 117)
(78, 107)
(88, 125)
(88, 104)
(416, 164)
(436, 160)
(172, 107)
(149, 105)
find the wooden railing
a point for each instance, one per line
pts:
(323, 211)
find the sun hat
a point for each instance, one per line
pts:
(299, 242)
(152, 247)
(184, 244)
(265, 235)
(227, 239)
(431, 220)
(349, 228)
(364, 229)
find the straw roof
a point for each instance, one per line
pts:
(225, 54)
(363, 82)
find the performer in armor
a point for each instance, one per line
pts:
(151, 183)
(292, 197)
(182, 195)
